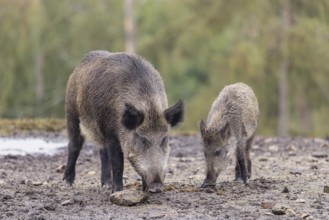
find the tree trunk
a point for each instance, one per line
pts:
(130, 26)
(306, 115)
(283, 74)
(39, 88)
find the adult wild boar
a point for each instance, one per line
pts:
(118, 101)
(230, 128)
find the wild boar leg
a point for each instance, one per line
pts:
(144, 185)
(241, 158)
(74, 146)
(237, 171)
(116, 161)
(248, 148)
(106, 176)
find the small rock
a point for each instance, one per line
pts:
(312, 160)
(263, 159)
(49, 207)
(291, 197)
(316, 206)
(305, 215)
(292, 148)
(268, 140)
(128, 197)
(60, 168)
(26, 181)
(319, 154)
(91, 173)
(285, 190)
(3, 174)
(273, 148)
(314, 167)
(36, 183)
(2, 182)
(267, 205)
(185, 160)
(326, 189)
(67, 202)
(295, 172)
(279, 209)
(291, 212)
(255, 147)
(291, 154)
(156, 215)
(300, 200)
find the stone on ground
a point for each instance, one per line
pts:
(128, 197)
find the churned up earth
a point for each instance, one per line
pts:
(290, 180)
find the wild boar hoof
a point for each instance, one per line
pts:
(246, 182)
(207, 185)
(68, 184)
(106, 186)
(69, 179)
(238, 179)
(156, 190)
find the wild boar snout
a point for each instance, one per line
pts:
(150, 161)
(156, 186)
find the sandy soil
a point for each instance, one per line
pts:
(289, 176)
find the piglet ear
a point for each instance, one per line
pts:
(175, 114)
(224, 129)
(132, 118)
(202, 126)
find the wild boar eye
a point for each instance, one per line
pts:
(144, 141)
(218, 153)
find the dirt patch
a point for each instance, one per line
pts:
(289, 177)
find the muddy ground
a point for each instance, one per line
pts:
(290, 176)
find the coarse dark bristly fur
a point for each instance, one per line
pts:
(118, 101)
(231, 126)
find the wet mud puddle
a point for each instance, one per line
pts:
(9, 146)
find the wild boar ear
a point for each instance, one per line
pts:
(132, 118)
(202, 126)
(175, 113)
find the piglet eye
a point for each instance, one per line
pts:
(144, 140)
(218, 153)
(164, 140)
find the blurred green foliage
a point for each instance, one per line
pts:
(198, 46)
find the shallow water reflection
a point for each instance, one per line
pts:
(9, 146)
